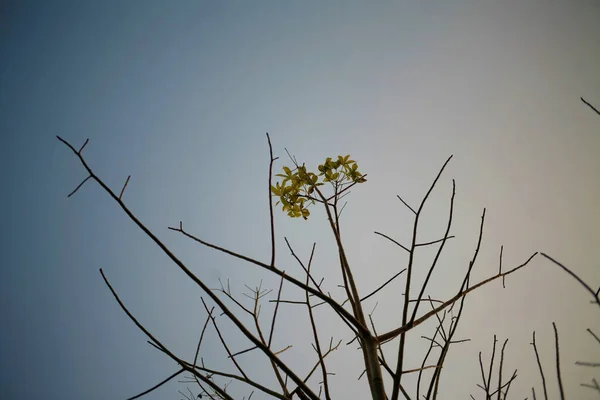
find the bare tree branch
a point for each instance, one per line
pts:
(537, 356)
(369, 341)
(595, 294)
(340, 310)
(382, 286)
(212, 319)
(78, 186)
(398, 372)
(271, 217)
(205, 288)
(590, 106)
(124, 186)
(208, 318)
(314, 330)
(396, 332)
(160, 345)
(158, 384)
(560, 384)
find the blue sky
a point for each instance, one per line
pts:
(179, 96)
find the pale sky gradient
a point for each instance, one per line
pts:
(180, 95)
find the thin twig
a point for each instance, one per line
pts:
(437, 255)
(314, 329)
(485, 385)
(439, 330)
(537, 356)
(382, 286)
(434, 241)
(591, 106)
(577, 278)
(594, 386)
(489, 381)
(393, 241)
(223, 340)
(406, 204)
(587, 364)
(158, 384)
(500, 266)
(78, 186)
(83, 146)
(560, 384)
(202, 335)
(271, 217)
(124, 186)
(500, 369)
(275, 312)
(593, 334)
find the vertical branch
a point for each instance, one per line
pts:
(463, 290)
(500, 371)
(485, 385)
(489, 380)
(440, 330)
(124, 187)
(314, 329)
(398, 372)
(202, 335)
(272, 218)
(255, 312)
(560, 385)
(367, 340)
(349, 287)
(444, 353)
(275, 312)
(500, 267)
(537, 356)
(349, 284)
(437, 255)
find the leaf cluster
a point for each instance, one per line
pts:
(297, 188)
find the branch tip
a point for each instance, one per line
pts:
(84, 144)
(124, 186)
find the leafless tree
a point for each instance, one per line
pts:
(384, 377)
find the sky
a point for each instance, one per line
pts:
(179, 95)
